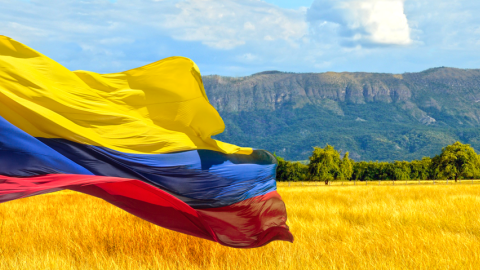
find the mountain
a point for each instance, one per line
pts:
(374, 116)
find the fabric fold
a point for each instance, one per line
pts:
(139, 139)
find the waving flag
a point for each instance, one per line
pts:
(139, 139)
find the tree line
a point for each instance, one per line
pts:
(456, 161)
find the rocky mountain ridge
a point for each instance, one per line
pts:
(372, 115)
(435, 89)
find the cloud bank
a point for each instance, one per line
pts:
(240, 37)
(367, 22)
(231, 23)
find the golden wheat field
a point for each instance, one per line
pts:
(335, 227)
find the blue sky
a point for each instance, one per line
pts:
(291, 3)
(242, 37)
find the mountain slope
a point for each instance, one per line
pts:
(374, 116)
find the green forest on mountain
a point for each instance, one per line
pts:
(373, 116)
(371, 131)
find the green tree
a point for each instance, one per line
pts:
(346, 167)
(385, 171)
(290, 171)
(281, 168)
(359, 170)
(324, 164)
(296, 171)
(457, 161)
(401, 170)
(421, 169)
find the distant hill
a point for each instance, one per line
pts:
(374, 116)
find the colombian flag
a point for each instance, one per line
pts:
(139, 139)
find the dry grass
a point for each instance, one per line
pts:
(349, 227)
(380, 183)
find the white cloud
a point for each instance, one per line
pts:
(226, 24)
(109, 31)
(247, 57)
(116, 41)
(451, 25)
(369, 22)
(220, 24)
(248, 26)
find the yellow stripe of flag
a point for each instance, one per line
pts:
(158, 108)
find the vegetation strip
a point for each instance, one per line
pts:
(457, 161)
